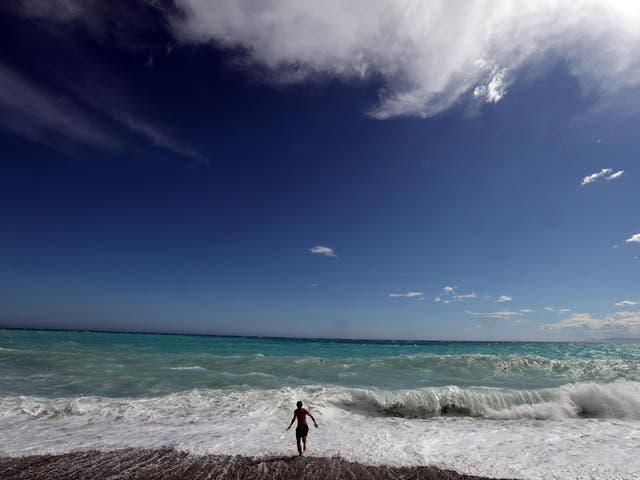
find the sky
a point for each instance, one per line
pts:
(379, 169)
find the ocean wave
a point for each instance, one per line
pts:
(619, 400)
(616, 400)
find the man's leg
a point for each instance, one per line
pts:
(304, 443)
(298, 443)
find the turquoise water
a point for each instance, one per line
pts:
(60, 363)
(517, 410)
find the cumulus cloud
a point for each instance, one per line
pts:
(429, 54)
(406, 295)
(595, 176)
(625, 321)
(633, 238)
(448, 289)
(321, 250)
(626, 303)
(504, 298)
(616, 175)
(500, 314)
(549, 308)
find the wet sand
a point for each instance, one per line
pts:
(169, 464)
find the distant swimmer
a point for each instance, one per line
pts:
(302, 429)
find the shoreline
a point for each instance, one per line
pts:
(170, 464)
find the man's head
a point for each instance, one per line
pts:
(299, 404)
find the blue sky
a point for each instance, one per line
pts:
(222, 168)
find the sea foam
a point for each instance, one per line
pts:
(498, 436)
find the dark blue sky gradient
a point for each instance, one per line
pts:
(129, 235)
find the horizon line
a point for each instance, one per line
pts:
(280, 337)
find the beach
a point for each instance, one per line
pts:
(77, 401)
(168, 464)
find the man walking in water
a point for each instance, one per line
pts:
(302, 429)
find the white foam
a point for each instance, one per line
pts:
(195, 367)
(253, 422)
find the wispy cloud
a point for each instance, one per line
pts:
(504, 298)
(464, 296)
(407, 295)
(525, 310)
(549, 308)
(633, 238)
(75, 116)
(595, 176)
(563, 310)
(629, 321)
(31, 111)
(616, 175)
(500, 314)
(321, 250)
(626, 303)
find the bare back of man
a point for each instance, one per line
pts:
(302, 429)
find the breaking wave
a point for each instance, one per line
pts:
(617, 400)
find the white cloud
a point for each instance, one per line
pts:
(563, 310)
(500, 314)
(504, 298)
(464, 296)
(525, 310)
(626, 303)
(633, 238)
(493, 91)
(549, 308)
(595, 176)
(406, 295)
(626, 321)
(430, 55)
(320, 250)
(450, 295)
(616, 175)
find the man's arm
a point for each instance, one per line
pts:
(292, 420)
(315, 424)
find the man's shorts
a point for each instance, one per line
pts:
(302, 431)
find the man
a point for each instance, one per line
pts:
(302, 428)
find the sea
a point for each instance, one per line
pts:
(497, 409)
